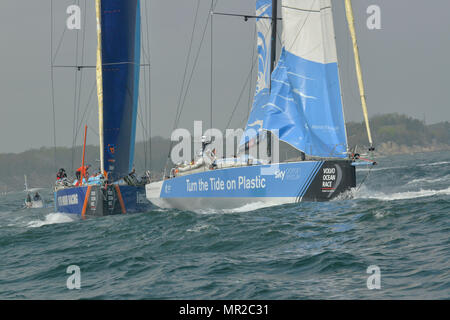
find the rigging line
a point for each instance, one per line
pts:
(75, 98)
(195, 64)
(211, 84)
(79, 67)
(81, 72)
(86, 116)
(146, 56)
(52, 84)
(93, 131)
(306, 10)
(186, 65)
(178, 111)
(301, 28)
(241, 94)
(53, 57)
(245, 84)
(180, 107)
(145, 111)
(143, 131)
(245, 16)
(149, 88)
(192, 73)
(251, 76)
(362, 182)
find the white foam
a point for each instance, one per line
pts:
(366, 194)
(245, 208)
(251, 207)
(434, 164)
(201, 227)
(51, 218)
(379, 169)
(428, 180)
(380, 214)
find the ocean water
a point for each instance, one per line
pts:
(398, 221)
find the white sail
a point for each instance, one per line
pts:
(308, 30)
(304, 107)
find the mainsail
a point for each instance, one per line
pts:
(120, 58)
(304, 107)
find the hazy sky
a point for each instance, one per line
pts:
(405, 65)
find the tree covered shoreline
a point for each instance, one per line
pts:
(392, 134)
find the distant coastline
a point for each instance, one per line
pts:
(400, 134)
(392, 148)
(392, 133)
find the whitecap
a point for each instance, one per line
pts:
(380, 169)
(429, 180)
(51, 218)
(433, 164)
(367, 194)
(201, 227)
(245, 208)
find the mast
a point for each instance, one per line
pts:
(351, 26)
(100, 84)
(273, 45)
(273, 57)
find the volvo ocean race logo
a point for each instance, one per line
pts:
(331, 179)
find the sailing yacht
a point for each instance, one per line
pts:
(115, 190)
(297, 101)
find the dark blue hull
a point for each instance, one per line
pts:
(101, 201)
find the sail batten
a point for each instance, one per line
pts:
(304, 107)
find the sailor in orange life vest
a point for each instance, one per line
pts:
(78, 173)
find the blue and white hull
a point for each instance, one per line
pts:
(267, 185)
(98, 200)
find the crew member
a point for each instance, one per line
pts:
(61, 174)
(80, 169)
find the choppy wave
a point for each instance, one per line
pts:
(429, 180)
(51, 218)
(397, 220)
(367, 194)
(245, 208)
(381, 168)
(440, 163)
(251, 207)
